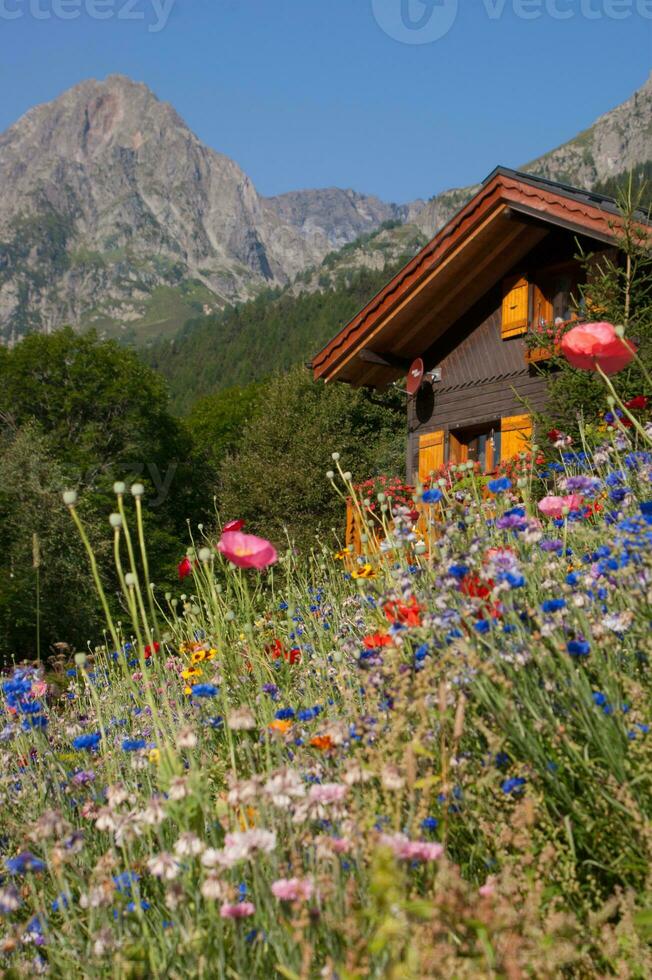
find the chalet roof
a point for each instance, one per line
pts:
(506, 218)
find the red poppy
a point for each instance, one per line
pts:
(638, 403)
(377, 640)
(276, 650)
(407, 613)
(184, 568)
(151, 648)
(554, 435)
(233, 526)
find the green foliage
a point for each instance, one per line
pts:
(101, 416)
(31, 481)
(249, 342)
(641, 185)
(277, 478)
(216, 421)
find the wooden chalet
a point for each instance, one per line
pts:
(504, 263)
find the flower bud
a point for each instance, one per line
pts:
(137, 489)
(80, 659)
(130, 579)
(348, 476)
(115, 520)
(205, 554)
(119, 487)
(330, 475)
(70, 498)
(335, 457)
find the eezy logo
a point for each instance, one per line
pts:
(415, 21)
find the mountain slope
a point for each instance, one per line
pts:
(617, 142)
(107, 197)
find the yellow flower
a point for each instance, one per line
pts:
(187, 690)
(211, 653)
(340, 555)
(365, 572)
(191, 672)
(198, 656)
(154, 755)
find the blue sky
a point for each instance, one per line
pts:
(311, 93)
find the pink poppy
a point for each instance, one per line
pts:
(555, 506)
(184, 568)
(237, 911)
(597, 345)
(233, 526)
(293, 889)
(246, 550)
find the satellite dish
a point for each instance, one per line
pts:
(415, 376)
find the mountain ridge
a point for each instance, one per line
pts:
(114, 214)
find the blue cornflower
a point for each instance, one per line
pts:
(429, 823)
(482, 626)
(285, 714)
(515, 581)
(133, 744)
(513, 785)
(552, 605)
(599, 698)
(499, 485)
(24, 862)
(646, 510)
(432, 496)
(578, 648)
(205, 690)
(88, 741)
(458, 571)
(124, 881)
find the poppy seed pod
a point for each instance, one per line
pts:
(205, 554)
(119, 487)
(130, 579)
(335, 456)
(115, 520)
(137, 489)
(70, 498)
(330, 475)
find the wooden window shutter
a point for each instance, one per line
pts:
(458, 452)
(431, 453)
(516, 301)
(515, 435)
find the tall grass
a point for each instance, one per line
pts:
(429, 760)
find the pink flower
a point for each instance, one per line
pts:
(246, 550)
(409, 850)
(293, 889)
(489, 887)
(555, 506)
(233, 526)
(593, 345)
(184, 568)
(327, 793)
(240, 910)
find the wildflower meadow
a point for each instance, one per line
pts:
(429, 759)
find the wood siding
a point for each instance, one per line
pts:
(483, 379)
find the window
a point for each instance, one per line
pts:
(556, 295)
(480, 444)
